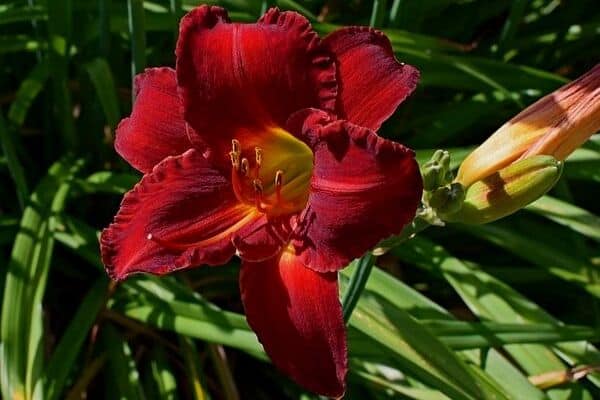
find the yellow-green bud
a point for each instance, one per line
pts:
(507, 190)
(436, 172)
(555, 125)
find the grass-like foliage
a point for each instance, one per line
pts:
(509, 310)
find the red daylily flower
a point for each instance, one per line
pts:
(261, 143)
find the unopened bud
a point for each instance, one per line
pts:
(555, 125)
(436, 172)
(507, 191)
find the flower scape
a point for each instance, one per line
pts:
(262, 143)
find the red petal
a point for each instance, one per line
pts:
(364, 188)
(236, 78)
(298, 318)
(263, 238)
(190, 211)
(156, 128)
(372, 83)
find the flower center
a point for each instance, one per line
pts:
(273, 175)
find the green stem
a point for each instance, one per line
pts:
(357, 284)
(217, 354)
(137, 32)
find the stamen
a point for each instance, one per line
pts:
(236, 183)
(258, 158)
(258, 192)
(245, 166)
(235, 146)
(258, 187)
(258, 153)
(235, 160)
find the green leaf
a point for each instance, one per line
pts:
(491, 300)
(296, 6)
(511, 24)
(12, 15)
(418, 352)
(357, 284)
(121, 366)
(383, 286)
(21, 333)
(63, 358)
(378, 13)
(171, 307)
(160, 382)
(17, 43)
(193, 368)
(7, 142)
(108, 182)
(28, 91)
(569, 215)
(406, 392)
(137, 34)
(9, 225)
(461, 335)
(60, 15)
(540, 251)
(102, 79)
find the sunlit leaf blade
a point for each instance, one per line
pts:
(548, 254)
(160, 381)
(122, 368)
(27, 93)
(383, 286)
(492, 300)
(21, 333)
(561, 212)
(159, 305)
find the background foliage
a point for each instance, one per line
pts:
(505, 311)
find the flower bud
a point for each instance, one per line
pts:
(555, 125)
(436, 172)
(508, 190)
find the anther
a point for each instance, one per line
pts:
(235, 146)
(245, 166)
(235, 159)
(258, 187)
(258, 152)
